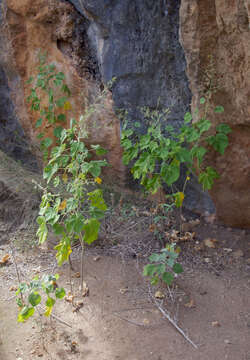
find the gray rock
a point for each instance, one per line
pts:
(137, 43)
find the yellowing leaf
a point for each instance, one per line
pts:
(179, 197)
(98, 180)
(48, 310)
(63, 204)
(67, 105)
(65, 178)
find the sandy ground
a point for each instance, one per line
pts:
(119, 320)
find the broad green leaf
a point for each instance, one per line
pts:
(61, 117)
(57, 131)
(198, 152)
(168, 278)
(60, 293)
(219, 142)
(223, 128)
(154, 280)
(91, 230)
(157, 257)
(219, 109)
(96, 199)
(66, 90)
(187, 117)
(172, 173)
(49, 171)
(202, 100)
(78, 224)
(160, 269)
(63, 250)
(34, 298)
(50, 302)
(40, 220)
(149, 270)
(40, 135)
(47, 142)
(99, 150)
(203, 125)
(42, 233)
(177, 268)
(25, 313)
(61, 101)
(207, 177)
(39, 122)
(60, 76)
(58, 229)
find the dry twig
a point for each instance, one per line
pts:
(167, 316)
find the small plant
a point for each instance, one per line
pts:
(72, 202)
(158, 155)
(29, 296)
(161, 264)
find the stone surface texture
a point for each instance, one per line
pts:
(219, 30)
(158, 52)
(56, 28)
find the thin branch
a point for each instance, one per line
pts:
(167, 316)
(129, 321)
(57, 318)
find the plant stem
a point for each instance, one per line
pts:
(82, 262)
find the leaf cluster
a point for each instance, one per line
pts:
(163, 266)
(157, 156)
(29, 295)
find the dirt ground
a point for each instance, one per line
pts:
(121, 319)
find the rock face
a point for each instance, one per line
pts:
(137, 43)
(12, 138)
(218, 30)
(55, 28)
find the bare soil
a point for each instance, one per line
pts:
(120, 317)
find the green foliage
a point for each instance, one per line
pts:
(163, 265)
(29, 296)
(157, 157)
(68, 207)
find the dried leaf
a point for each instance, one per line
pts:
(5, 259)
(215, 323)
(85, 289)
(65, 178)
(123, 290)
(145, 321)
(190, 304)
(76, 275)
(188, 236)
(63, 204)
(159, 295)
(152, 228)
(210, 243)
(13, 288)
(97, 258)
